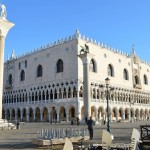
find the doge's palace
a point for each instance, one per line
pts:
(47, 84)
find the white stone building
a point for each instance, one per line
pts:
(47, 84)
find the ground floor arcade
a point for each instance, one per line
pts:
(56, 113)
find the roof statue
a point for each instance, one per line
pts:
(3, 12)
(85, 49)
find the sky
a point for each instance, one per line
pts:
(119, 23)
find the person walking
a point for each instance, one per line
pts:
(90, 127)
(78, 121)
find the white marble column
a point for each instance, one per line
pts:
(4, 28)
(86, 58)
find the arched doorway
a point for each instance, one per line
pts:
(13, 114)
(93, 113)
(72, 113)
(114, 114)
(54, 114)
(8, 114)
(31, 118)
(120, 115)
(18, 114)
(24, 114)
(62, 114)
(100, 113)
(45, 114)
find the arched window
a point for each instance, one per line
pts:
(136, 80)
(110, 70)
(10, 79)
(22, 75)
(39, 71)
(145, 79)
(125, 74)
(25, 63)
(92, 66)
(59, 66)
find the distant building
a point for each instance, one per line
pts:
(47, 84)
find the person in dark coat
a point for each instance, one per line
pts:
(78, 121)
(90, 127)
(86, 120)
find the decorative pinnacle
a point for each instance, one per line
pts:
(133, 50)
(77, 33)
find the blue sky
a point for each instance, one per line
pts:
(114, 22)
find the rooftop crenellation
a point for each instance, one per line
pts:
(76, 35)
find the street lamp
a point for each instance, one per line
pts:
(107, 81)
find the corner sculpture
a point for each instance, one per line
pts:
(84, 49)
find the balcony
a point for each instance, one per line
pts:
(137, 86)
(8, 86)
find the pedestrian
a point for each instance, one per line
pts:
(18, 125)
(77, 121)
(90, 127)
(86, 119)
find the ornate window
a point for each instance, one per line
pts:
(125, 74)
(39, 71)
(137, 80)
(10, 79)
(59, 66)
(22, 75)
(110, 70)
(145, 79)
(92, 66)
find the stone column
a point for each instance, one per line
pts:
(21, 116)
(58, 113)
(6, 115)
(86, 58)
(4, 28)
(123, 115)
(67, 116)
(27, 117)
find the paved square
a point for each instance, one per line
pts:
(22, 138)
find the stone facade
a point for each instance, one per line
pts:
(47, 84)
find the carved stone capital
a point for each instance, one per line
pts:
(5, 27)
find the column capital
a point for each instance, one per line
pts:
(5, 26)
(86, 57)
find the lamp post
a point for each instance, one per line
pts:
(107, 81)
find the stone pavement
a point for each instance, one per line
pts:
(22, 138)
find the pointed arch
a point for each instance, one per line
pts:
(92, 66)
(145, 79)
(59, 66)
(110, 70)
(22, 75)
(125, 74)
(39, 71)
(137, 81)
(10, 79)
